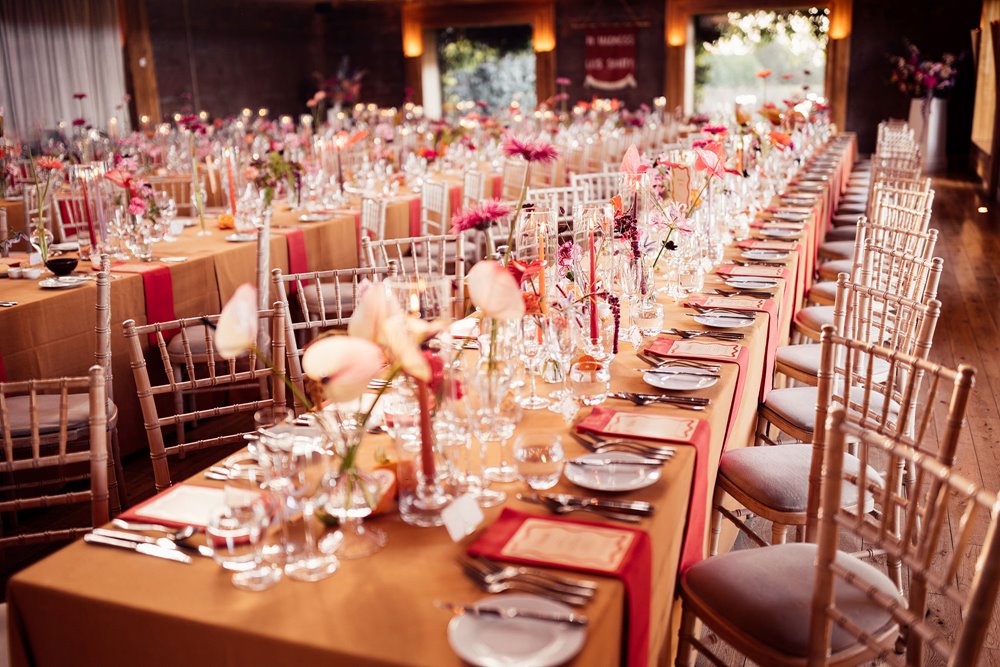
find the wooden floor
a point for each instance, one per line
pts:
(968, 333)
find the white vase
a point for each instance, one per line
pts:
(929, 120)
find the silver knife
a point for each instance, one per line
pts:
(139, 547)
(675, 370)
(512, 612)
(632, 506)
(166, 543)
(600, 463)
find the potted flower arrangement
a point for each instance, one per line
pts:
(927, 83)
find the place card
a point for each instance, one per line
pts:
(606, 421)
(180, 505)
(733, 302)
(569, 544)
(462, 517)
(754, 271)
(769, 245)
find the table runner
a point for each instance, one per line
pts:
(415, 217)
(788, 296)
(695, 433)
(633, 565)
(159, 289)
(297, 259)
(767, 306)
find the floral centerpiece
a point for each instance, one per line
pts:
(531, 152)
(42, 170)
(269, 172)
(916, 76)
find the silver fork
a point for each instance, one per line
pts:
(479, 577)
(502, 571)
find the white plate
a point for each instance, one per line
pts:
(187, 222)
(809, 187)
(723, 321)
(69, 246)
(790, 216)
(779, 232)
(173, 260)
(742, 282)
(764, 255)
(314, 217)
(611, 477)
(525, 642)
(798, 201)
(63, 282)
(679, 382)
(241, 238)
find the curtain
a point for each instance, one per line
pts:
(53, 49)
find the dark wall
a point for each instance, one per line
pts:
(649, 53)
(880, 30)
(370, 35)
(245, 53)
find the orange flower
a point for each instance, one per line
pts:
(49, 162)
(616, 201)
(764, 73)
(781, 140)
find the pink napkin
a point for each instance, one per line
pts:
(297, 260)
(159, 290)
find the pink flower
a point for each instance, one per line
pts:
(79, 122)
(632, 163)
(539, 151)
(495, 291)
(236, 331)
(344, 365)
(715, 129)
(48, 162)
(79, 96)
(562, 81)
(709, 161)
(479, 217)
(137, 206)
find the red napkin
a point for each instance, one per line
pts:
(497, 186)
(297, 260)
(635, 565)
(159, 290)
(3, 371)
(455, 199)
(753, 244)
(755, 305)
(415, 217)
(696, 433)
(710, 351)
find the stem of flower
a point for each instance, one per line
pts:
(517, 210)
(663, 246)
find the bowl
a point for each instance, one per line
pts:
(31, 274)
(62, 266)
(14, 272)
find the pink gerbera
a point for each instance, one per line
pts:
(537, 151)
(137, 206)
(49, 162)
(479, 217)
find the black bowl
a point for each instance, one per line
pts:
(62, 266)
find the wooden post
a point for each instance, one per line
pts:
(140, 74)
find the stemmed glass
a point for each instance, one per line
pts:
(236, 532)
(168, 213)
(533, 351)
(560, 338)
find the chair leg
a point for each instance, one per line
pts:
(778, 533)
(761, 432)
(179, 403)
(713, 547)
(116, 489)
(684, 637)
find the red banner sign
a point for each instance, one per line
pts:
(609, 58)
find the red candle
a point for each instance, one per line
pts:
(592, 287)
(426, 434)
(232, 183)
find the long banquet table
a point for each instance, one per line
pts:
(102, 606)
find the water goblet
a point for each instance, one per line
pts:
(533, 352)
(539, 460)
(590, 382)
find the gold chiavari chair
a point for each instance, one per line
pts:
(474, 184)
(40, 468)
(178, 188)
(69, 221)
(894, 208)
(434, 216)
(561, 200)
(205, 371)
(599, 187)
(373, 217)
(846, 231)
(422, 256)
(816, 605)
(513, 179)
(890, 270)
(322, 300)
(881, 389)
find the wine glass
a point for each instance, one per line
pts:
(533, 352)
(539, 459)
(589, 382)
(560, 337)
(235, 533)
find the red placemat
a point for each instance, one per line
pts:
(582, 546)
(688, 431)
(784, 246)
(756, 305)
(498, 186)
(158, 286)
(455, 199)
(709, 351)
(415, 217)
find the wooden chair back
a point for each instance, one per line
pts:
(513, 179)
(561, 200)
(373, 216)
(69, 221)
(473, 188)
(422, 256)
(203, 371)
(899, 272)
(178, 188)
(947, 507)
(35, 473)
(599, 187)
(325, 300)
(434, 216)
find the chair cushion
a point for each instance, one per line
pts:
(814, 317)
(77, 413)
(196, 340)
(778, 476)
(837, 249)
(842, 233)
(847, 219)
(767, 593)
(830, 270)
(797, 405)
(823, 291)
(806, 360)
